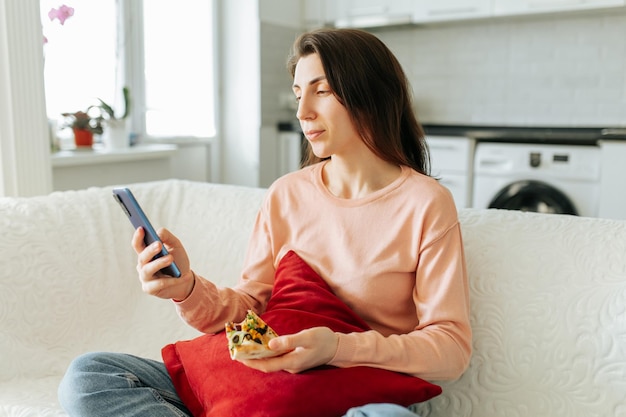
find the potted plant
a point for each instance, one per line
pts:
(115, 133)
(84, 126)
(109, 112)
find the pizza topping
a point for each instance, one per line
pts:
(249, 338)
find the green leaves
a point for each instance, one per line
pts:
(110, 112)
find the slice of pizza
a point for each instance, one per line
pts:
(249, 339)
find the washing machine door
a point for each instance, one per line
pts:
(537, 196)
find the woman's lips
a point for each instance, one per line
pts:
(313, 134)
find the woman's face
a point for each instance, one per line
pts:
(325, 122)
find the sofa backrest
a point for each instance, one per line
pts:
(68, 282)
(548, 300)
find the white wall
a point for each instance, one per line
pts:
(240, 91)
(281, 12)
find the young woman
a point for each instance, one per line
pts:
(363, 212)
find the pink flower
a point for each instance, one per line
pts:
(62, 13)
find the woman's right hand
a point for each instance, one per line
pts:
(154, 282)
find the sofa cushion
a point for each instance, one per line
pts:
(211, 384)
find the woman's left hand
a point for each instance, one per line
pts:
(305, 350)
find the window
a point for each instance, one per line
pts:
(80, 55)
(164, 54)
(178, 68)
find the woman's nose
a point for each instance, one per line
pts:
(305, 111)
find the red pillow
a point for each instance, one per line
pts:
(211, 384)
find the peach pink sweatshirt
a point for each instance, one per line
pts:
(395, 257)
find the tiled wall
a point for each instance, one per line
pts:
(565, 70)
(276, 42)
(551, 71)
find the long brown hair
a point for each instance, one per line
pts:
(369, 81)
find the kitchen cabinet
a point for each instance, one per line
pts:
(513, 7)
(379, 13)
(443, 10)
(612, 196)
(369, 13)
(452, 163)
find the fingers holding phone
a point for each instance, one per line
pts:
(150, 266)
(174, 251)
(153, 250)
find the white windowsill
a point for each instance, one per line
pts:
(101, 155)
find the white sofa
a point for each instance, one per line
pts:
(548, 297)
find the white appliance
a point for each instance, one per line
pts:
(612, 187)
(537, 177)
(451, 159)
(289, 152)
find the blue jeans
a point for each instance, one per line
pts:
(113, 384)
(121, 385)
(380, 410)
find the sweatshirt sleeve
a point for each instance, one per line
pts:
(439, 348)
(208, 306)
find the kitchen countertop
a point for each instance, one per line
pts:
(554, 135)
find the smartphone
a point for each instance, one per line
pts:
(138, 218)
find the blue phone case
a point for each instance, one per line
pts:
(138, 218)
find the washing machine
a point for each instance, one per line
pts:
(545, 178)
